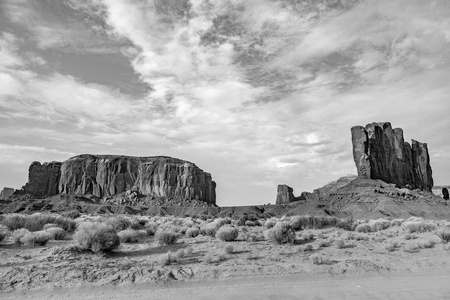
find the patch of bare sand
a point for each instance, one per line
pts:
(423, 285)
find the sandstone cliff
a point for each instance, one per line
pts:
(6, 192)
(108, 175)
(380, 152)
(284, 194)
(43, 178)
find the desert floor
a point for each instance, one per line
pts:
(365, 267)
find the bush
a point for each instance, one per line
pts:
(270, 223)
(128, 236)
(308, 247)
(151, 228)
(189, 250)
(119, 223)
(179, 254)
(227, 233)
(229, 249)
(4, 231)
(363, 228)
(18, 234)
(380, 224)
(444, 235)
(249, 223)
(418, 225)
(57, 233)
(97, 237)
(192, 232)
(281, 233)
(166, 237)
(208, 258)
(50, 225)
(208, 230)
(37, 238)
(340, 244)
(391, 246)
(324, 243)
(427, 244)
(36, 222)
(71, 214)
(165, 259)
(397, 222)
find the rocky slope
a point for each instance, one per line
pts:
(380, 152)
(105, 176)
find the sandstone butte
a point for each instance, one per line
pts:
(380, 152)
(108, 175)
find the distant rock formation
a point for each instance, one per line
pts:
(109, 175)
(43, 179)
(6, 192)
(380, 152)
(284, 194)
(445, 194)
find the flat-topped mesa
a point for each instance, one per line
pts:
(108, 175)
(380, 152)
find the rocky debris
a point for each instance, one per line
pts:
(159, 177)
(380, 152)
(445, 194)
(5, 193)
(284, 194)
(43, 178)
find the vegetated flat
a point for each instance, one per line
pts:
(377, 258)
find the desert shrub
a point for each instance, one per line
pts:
(324, 243)
(179, 254)
(189, 250)
(229, 249)
(4, 231)
(308, 247)
(378, 239)
(36, 238)
(444, 235)
(411, 248)
(128, 236)
(57, 233)
(391, 246)
(208, 230)
(397, 222)
(340, 244)
(227, 233)
(71, 214)
(270, 223)
(427, 244)
(18, 234)
(36, 222)
(360, 237)
(192, 232)
(250, 237)
(151, 228)
(410, 236)
(165, 259)
(363, 228)
(378, 225)
(97, 237)
(118, 223)
(417, 225)
(166, 237)
(281, 233)
(350, 236)
(50, 225)
(307, 236)
(208, 258)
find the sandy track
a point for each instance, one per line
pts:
(433, 285)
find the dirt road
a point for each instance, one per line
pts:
(433, 285)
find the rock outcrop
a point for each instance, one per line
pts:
(285, 194)
(445, 194)
(102, 176)
(43, 179)
(6, 192)
(380, 152)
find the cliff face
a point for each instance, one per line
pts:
(109, 175)
(380, 152)
(285, 194)
(43, 179)
(6, 192)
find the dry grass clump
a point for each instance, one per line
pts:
(307, 236)
(380, 224)
(97, 237)
(57, 233)
(17, 234)
(281, 233)
(308, 247)
(167, 258)
(71, 214)
(36, 238)
(325, 243)
(151, 228)
(391, 246)
(444, 235)
(427, 244)
(229, 249)
(318, 222)
(208, 230)
(411, 248)
(166, 237)
(189, 250)
(119, 223)
(340, 244)
(397, 222)
(365, 227)
(227, 233)
(418, 225)
(36, 222)
(128, 236)
(410, 236)
(192, 232)
(270, 223)
(318, 260)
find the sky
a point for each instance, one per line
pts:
(256, 92)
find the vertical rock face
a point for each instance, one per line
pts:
(380, 152)
(445, 194)
(43, 179)
(285, 194)
(160, 177)
(5, 193)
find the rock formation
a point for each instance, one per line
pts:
(43, 179)
(284, 194)
(6, 192)
(109, 175)
(445, 194)
(380, 152)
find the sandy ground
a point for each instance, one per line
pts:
(424, 285)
